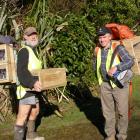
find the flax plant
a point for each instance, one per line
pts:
(3, 16)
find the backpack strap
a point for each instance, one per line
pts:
(96, 50)
(115, 52)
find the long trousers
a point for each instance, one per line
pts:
(113, 99)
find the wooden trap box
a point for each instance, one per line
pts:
(133, 47)
(51, 78)
(7, 64)
(5, 73)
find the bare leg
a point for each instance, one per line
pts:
(20, 121)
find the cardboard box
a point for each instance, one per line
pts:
(51, 78)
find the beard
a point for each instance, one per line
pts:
(32, 43)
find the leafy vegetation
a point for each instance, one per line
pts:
(67, 29)
(72, 45)
(69, 36)
(65, 41)
(121, 11)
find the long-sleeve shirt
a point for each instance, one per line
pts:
(126, 61)
(24, 76)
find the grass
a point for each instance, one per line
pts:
(82, 119)
(136, 88)
(70, 117)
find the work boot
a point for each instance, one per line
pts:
(19, 132)
(112, 137)
(34, 136)
(121, 138)
(31, 134)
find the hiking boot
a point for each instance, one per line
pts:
(121, 139)
(31, 134)
(112, 137)
(36, 138)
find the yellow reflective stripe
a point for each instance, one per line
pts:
(98, 67)
(20, 92)
(109, 56)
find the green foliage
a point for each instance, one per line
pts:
(72, 46)
(7, 17)
(62, 7)
(3, 17)
(67, 39)
(120, 11)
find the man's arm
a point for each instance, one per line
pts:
(126, 60)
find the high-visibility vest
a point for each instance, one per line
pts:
(116, 61)
(33, 64)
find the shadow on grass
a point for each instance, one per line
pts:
(87, 103)
(46, 109)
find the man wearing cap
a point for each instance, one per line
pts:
(112, 97)
(28, 88)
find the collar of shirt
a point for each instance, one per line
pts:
(108, 46)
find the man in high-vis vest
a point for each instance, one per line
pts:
(28, 87)
(112, 97)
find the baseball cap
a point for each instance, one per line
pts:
(103, 31)
(30, 30)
